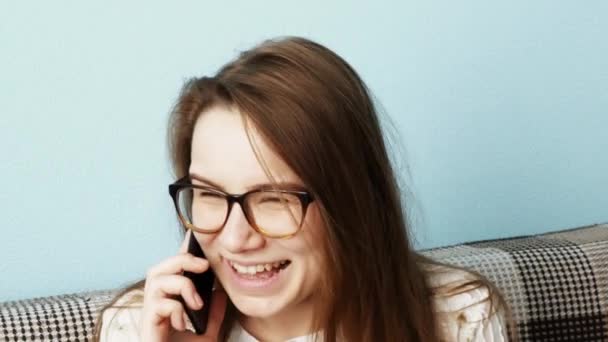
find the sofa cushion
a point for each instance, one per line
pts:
(556, 283)
(69, 317)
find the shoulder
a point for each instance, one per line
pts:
(120, 322)
(466, 307)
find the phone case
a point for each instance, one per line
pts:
(203, 282)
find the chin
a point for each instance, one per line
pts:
(261, 307)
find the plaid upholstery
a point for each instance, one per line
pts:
(68, 317)
(556, 284)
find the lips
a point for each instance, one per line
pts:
(253, 269)
(247, 278)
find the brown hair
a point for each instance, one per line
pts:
(316, 113)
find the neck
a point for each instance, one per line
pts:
(287, 324)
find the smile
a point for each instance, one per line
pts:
(256, 269)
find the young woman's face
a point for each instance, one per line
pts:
(222, 154)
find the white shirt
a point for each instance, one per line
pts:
(238, 334)
(462, 316)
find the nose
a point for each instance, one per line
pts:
(238, 236)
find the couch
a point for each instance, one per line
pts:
(556, 284)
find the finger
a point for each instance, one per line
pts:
(186, 335)
(178, 263)
(184, 246)
(217, 313)
(177, 320)
(165, 307)
(185, 318)
(173, 284)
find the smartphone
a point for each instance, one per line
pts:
(203, 282)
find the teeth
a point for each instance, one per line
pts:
(252, 270)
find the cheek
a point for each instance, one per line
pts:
(314, 231)
(308, 243)
(207, 244)
(204, 239)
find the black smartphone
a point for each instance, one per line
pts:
(203, 282)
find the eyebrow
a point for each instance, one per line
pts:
(280, 185)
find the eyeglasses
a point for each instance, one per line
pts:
(273, 213)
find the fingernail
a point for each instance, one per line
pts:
(184, 319)
(182, 324)
(197, 299)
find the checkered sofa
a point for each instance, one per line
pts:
(556, 284)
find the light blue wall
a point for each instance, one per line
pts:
(503, 111)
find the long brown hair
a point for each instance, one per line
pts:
(317, 114)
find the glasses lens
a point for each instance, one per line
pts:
(275, 212)
(204, 209)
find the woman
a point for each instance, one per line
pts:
(290, 119)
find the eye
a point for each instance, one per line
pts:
(278, 198)
(271, 199)
(209, 194)
(206, 193)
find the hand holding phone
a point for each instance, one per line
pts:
(164, 309)
(203, 282)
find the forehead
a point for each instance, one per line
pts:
(222, 152)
